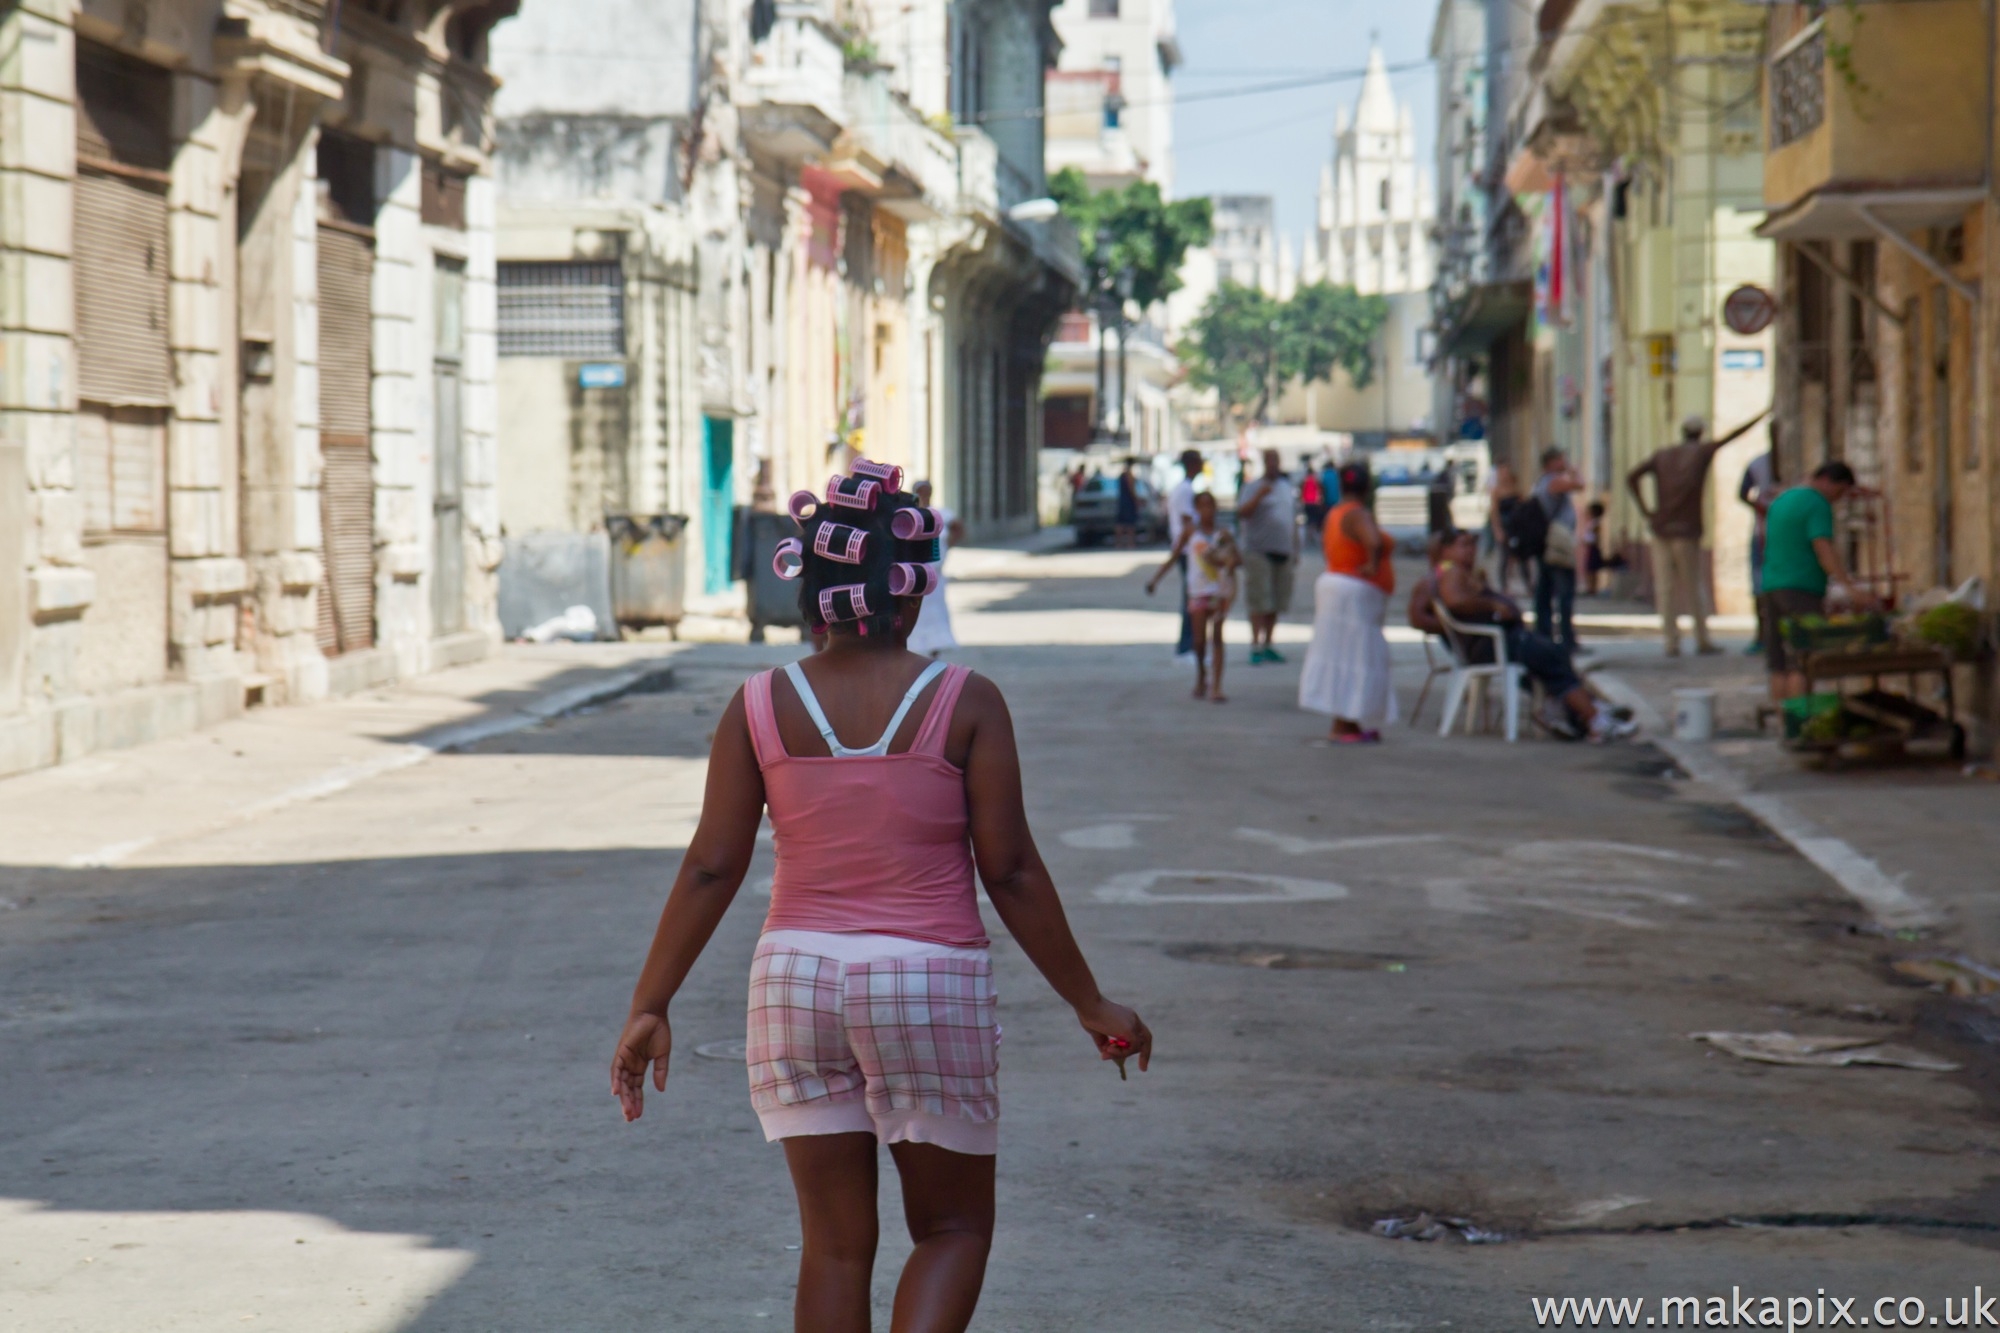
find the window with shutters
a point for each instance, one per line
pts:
(124, 371)
(443, 197)
(562, 309)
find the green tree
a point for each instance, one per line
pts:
(1246, 345)
(1234, 347)
(1145, 233)
(1327, 326)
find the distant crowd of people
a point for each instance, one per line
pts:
(1541, 547)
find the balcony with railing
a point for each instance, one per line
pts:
(1865, 100)
(793, 98)
(892, 153)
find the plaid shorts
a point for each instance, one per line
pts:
(903, 1046)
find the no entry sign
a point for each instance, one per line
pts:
(1749, 309)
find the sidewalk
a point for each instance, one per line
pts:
(118, 807)
(1916, 841)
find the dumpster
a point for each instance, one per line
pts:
(648, 569)
(771, 600)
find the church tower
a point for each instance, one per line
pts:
(1375, 204)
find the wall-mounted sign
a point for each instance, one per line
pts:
(601, 375)
(1742, 358)
(1749, 309)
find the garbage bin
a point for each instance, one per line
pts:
(772, 600)
(648, 569)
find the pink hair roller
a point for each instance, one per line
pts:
(888, 474)
(803, 505)
(853, 492)
(917, 524)
(907, 580)
(789, 560)
(856, 595)
(837, 541)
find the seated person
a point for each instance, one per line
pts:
(1571, 709)
(1423, 597)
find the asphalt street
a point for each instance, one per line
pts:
(340, 1066)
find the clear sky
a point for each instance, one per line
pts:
(1274, 142)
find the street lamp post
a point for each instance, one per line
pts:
(1123, 293)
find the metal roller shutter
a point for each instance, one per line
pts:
(121, 290)
(346, 269)
(347, 513)
(347, 478)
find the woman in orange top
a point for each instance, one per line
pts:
(1346, 673)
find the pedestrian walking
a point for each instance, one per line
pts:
(1555, 577)
(1680, 480)
(1346, 673)
(1801, 564)
(871, 1016)
(1503, 496)
(1758, 488)
(1125, 523)
(1309, 500)
(1180, 517)
(1267, 524)
(1208, 558)
(933, 632)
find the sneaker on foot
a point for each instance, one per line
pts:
(1556, 719)
(1273, 655)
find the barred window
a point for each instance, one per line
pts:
(562, 309)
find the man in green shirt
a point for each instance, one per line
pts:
(1800, 563)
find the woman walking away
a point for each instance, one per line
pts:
(871, 994)
(1346, 673)
(1503, 498)
(1212, 561)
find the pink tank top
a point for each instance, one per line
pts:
(870, 842)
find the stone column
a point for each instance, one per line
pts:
(37, 367)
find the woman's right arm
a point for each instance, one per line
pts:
(1358, 525)
(717, 858)
(1019, 884)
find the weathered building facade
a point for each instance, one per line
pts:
(836, 271)
(246, 418)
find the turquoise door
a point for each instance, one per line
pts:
(718, 500)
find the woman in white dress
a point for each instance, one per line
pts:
(932, 634)
(1346, 673)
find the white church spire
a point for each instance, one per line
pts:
(1376, 204)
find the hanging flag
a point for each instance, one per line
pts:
(1552, 258)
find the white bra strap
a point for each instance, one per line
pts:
(818, 714)
(811, 701)
(924, 677)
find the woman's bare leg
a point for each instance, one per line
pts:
(1217, 622)
(834, 1177)
(948, 1201)
(1198, 625)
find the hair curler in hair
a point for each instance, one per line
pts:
(789, 560)
(853, 492)
(849, 601)
(888, 474)
(908, 580)
(802, 506)
(837, 541)
(917, 524)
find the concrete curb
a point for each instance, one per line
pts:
(1858, 876)
(403, 755)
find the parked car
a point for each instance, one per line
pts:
(1094, 511)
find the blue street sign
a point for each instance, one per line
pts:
(601, 375)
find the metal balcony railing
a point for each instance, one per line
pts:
(1798, 87)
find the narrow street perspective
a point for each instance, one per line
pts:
(1034, 666)
(307, 1018)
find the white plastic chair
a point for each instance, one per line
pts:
(1432, 670)
(1469, 677)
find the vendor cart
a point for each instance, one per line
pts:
(1874, 717)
